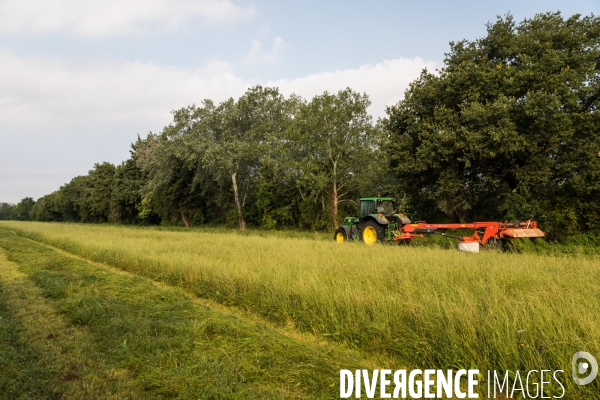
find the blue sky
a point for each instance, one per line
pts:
(80, 79)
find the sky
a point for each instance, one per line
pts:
(81, 79)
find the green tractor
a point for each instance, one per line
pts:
(377, 221)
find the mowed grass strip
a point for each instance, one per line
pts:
(129, 339)
(42, 355)
(427, 307)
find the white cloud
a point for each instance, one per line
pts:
(92, 18)
(264, 30)
(384, 82)
(59, 95)
(256, 55)
(46, 93)
(215, 67)
(62, 117)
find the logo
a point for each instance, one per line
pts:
(581, 367)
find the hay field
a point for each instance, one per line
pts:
(424, 307)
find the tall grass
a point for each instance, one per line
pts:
(79, 331)
(428, 307)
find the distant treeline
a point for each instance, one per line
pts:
(509, 128)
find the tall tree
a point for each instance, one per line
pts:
(73, 200)
(127, 185)
(509, 127)
(101, 185)
(22, 210)
(6, 211)
(235, 138)
(335, 146)
(176, 178)
(45, 209)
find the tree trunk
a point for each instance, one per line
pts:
(334, 206)
(334, 193)
(459, 211)
(335, 200)
(185, 220)
(238, 205)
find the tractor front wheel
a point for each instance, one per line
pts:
(340, 235)
(372, 233)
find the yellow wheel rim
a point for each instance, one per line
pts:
(369, 235)
(339, 237)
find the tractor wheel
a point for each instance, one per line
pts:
(371, 233)
(340, 235)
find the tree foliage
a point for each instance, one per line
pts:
(508, 128)
(23, 209)
(6, 211)
(334, 149)
(272, 160)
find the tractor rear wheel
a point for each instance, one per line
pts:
(371, 232)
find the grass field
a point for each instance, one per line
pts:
(412, 306)
(71, 329)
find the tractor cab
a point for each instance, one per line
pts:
(376, 205)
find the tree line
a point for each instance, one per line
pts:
(509, 128)
(263, 159)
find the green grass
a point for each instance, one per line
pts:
(423, 306)
(42, 355)
(70, 329)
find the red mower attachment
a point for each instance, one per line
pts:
(484, 231)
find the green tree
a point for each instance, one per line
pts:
(239, 139)
(22, 210)
(265, 116)
(73, 200)
(509, 127)
(6, 211)
(100, 181)
(126, 192)
(68, 199)
(45, 209)
(335, 149)
(225, 148)
(175, 185)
